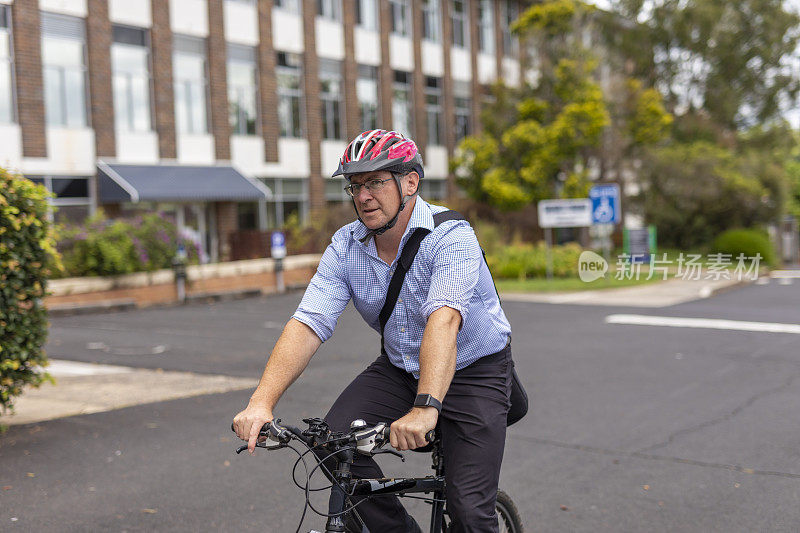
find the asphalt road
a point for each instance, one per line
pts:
(631, 428)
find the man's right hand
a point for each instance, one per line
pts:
(249, 422)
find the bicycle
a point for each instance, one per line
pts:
(341, 448)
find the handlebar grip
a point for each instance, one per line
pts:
(430, 436)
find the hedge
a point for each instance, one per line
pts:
(27, 254)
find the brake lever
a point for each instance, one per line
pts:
(391, 452)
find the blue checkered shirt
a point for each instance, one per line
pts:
(449, 270)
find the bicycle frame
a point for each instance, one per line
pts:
(346, 487)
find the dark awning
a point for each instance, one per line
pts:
(176, 183)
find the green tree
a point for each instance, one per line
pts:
(544, 141)
(534, 136)
(693, 192)
(729, 61)
(27, 252)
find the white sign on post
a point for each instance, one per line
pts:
(572, 213)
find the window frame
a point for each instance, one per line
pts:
(206, 85)
(298, 93)
(406, 86)
(238, 89)
(463, 18)
(62, 71)
(431, 21)
(435, 108)
(332, 104)
(373, 76)
(149, 76)
(13, 116)
(373, 24)
(400, 15)
(486, 37)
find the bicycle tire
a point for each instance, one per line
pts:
(508, 517)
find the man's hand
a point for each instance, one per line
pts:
(248, 423)
(409, 432)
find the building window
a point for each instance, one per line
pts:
(432, 189)
(64, 65)
(290, 93)
(458, 16)
(130, 66)
(330, 94)
(367, 14)
(291, 6)
(242, 89)
(289, 198)
(433, 109)
(486, 26)
(463, 110)
(431, 28)
(6, 67)
(189, 65)
(401, 17)
(329, 9)
(367, 94)
(509, 14)
(401, 103)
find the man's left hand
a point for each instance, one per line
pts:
(409, 432)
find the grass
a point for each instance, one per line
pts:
(569, 284)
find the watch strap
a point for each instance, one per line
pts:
(427, 400)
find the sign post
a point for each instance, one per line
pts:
(278, 252)
(605, 212)
(572, 213)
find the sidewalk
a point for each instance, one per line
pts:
(659, 294)
(83, 388)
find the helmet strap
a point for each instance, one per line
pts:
(389, 225)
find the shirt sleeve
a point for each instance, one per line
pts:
(327, 294)
(454, 271)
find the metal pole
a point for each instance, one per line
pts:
(548, 239)
(279, 283)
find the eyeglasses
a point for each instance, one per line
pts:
(372, 186)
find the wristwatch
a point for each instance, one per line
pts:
(427, 400)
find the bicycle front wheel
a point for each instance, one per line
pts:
(508, 517)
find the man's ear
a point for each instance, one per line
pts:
(413, 182)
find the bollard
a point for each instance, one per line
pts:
(179, 268)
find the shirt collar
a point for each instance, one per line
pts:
(421, 217)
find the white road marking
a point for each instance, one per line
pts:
(785, 274)
(61, 368)
(705, 323)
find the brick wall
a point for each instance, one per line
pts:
(227, 222)
(352, 112)
(98, 37)
(218, 80)
(498, 39)
(268, 86)
(474, 47)
(418, 98)
(316, 183)
(164, 102)
(385, 74)
(30, 90)
(447, 93)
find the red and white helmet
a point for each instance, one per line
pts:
(380, 150)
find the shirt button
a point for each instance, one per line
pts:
(402, 330)
(400, 300)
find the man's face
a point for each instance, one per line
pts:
(377, 207)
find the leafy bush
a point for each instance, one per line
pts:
(521, 261)
(103, 247)
(748, 242)
(27, 251)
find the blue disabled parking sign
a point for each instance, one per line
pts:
(278, 245)
(605, 204)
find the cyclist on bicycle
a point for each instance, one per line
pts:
(447, 353)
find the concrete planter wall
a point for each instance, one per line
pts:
(151, 288)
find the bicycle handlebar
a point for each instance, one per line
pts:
(277, 435)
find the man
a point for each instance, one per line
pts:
(446, 357)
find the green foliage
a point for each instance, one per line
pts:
(693, 192)
(27, 249)
(523, 261)
(103, 247)
(727, 60)
(538, 142)
(748, 242)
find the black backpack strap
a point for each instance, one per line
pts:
(404, 264)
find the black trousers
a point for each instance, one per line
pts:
(473, 429)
